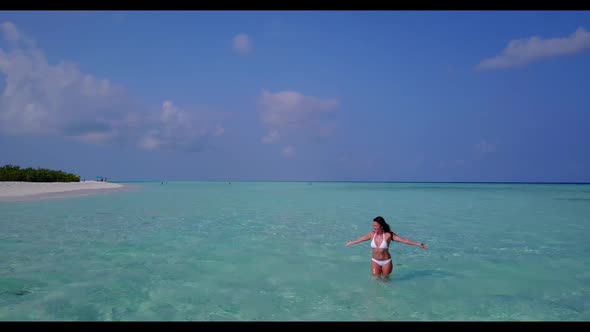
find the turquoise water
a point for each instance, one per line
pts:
(276, 251)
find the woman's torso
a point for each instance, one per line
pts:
(380, 245)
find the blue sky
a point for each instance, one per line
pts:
(298, 96)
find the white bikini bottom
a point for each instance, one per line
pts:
(381, 263)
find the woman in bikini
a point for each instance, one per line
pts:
(382, 236)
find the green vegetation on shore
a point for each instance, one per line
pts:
(15, 173)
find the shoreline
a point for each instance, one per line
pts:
(12, 191)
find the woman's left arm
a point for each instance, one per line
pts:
(408, 241)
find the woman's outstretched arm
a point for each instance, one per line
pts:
(360, 239)
(408, 241)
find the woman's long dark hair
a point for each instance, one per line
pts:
(383, 224)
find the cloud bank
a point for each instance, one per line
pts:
(39, 98)
(290, 113)
(521, 52)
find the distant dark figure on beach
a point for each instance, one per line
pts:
(381, 235)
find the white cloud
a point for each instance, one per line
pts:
(174, 128)
(39, 98)
(10, 32)
(58, 99)
(486, 147)
(242, 44)
(288, 152)
(271, 137)
(292, 113)
(149, 142)
(96, 137)
(219, 130)
(520, 52)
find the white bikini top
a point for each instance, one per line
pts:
(382, 245)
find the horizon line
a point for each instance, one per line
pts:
(362, 181)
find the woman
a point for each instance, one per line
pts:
(382, 235)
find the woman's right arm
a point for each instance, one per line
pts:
(360, 239)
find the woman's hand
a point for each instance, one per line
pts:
(422, 245)
(349, 243)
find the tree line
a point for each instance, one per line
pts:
(15, 173)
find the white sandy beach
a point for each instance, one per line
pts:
(10, 191)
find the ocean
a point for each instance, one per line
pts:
(275, 251)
